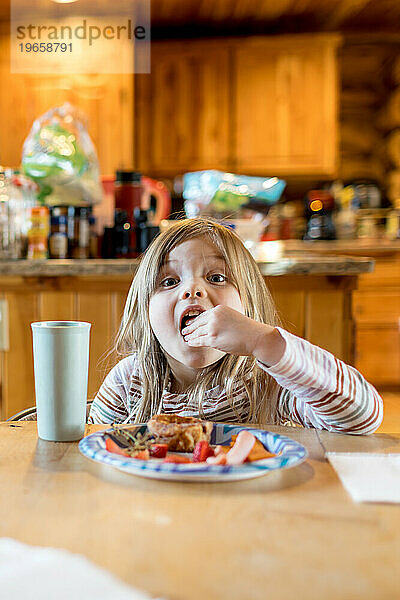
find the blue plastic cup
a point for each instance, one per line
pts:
(61, 363)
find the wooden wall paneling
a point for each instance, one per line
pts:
(56, 306)
(378, 354)
(326, 321)
(3, 375)
(118, 303)
(290, 307)
(332, 15)
(18, 384)
(96, 309)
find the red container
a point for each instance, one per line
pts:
(128, 190)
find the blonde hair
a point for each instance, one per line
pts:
(135, 333)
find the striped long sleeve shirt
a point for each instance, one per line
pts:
(314, 389)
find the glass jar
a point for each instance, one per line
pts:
(58, 240)
(80, 240)
(13, 218)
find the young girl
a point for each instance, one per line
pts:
(200, 336)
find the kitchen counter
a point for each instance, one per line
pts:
(312, 293)
(288, 264)
(360, 247)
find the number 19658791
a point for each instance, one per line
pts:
(46, 47)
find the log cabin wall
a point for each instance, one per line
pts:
(363, 91)
(370, 113)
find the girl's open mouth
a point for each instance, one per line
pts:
(189, 316)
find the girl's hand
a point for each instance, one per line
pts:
(230, 331)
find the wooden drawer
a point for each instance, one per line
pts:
(386, 274)
(378, 354)
(377, 307)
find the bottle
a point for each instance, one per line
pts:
(128, 190)
(145, 231)
(107, 243)
(93, 238)
(122, 230)
(38, 233)
(80, 241)
(13, 217)
(58, 240)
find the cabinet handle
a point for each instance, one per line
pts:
(4, 329)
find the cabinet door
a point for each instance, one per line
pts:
(378, 354)
(182, 109)
(286, 105)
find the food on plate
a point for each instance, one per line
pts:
(175, 458)
(258, 451)
(121, 441)
(241, 448)
(180, 433)
(217, 459)
(158, 450)
(112, 446)
(172, 433)
(202, 451)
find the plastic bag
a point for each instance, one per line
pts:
(220, 194)
(60, 157)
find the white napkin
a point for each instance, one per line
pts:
(368, 477)
(49, 573)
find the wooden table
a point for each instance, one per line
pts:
(290, 534)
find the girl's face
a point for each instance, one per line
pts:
(194, 275)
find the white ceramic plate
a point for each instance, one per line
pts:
(291, 454)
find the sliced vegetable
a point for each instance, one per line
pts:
(258, 452)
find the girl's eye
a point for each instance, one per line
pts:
(169, 282)
(217, 278)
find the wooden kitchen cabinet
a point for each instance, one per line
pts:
(265, 106)
(376, 305)
(183, 108)
(286, 105)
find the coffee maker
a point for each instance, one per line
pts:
(319, 208)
